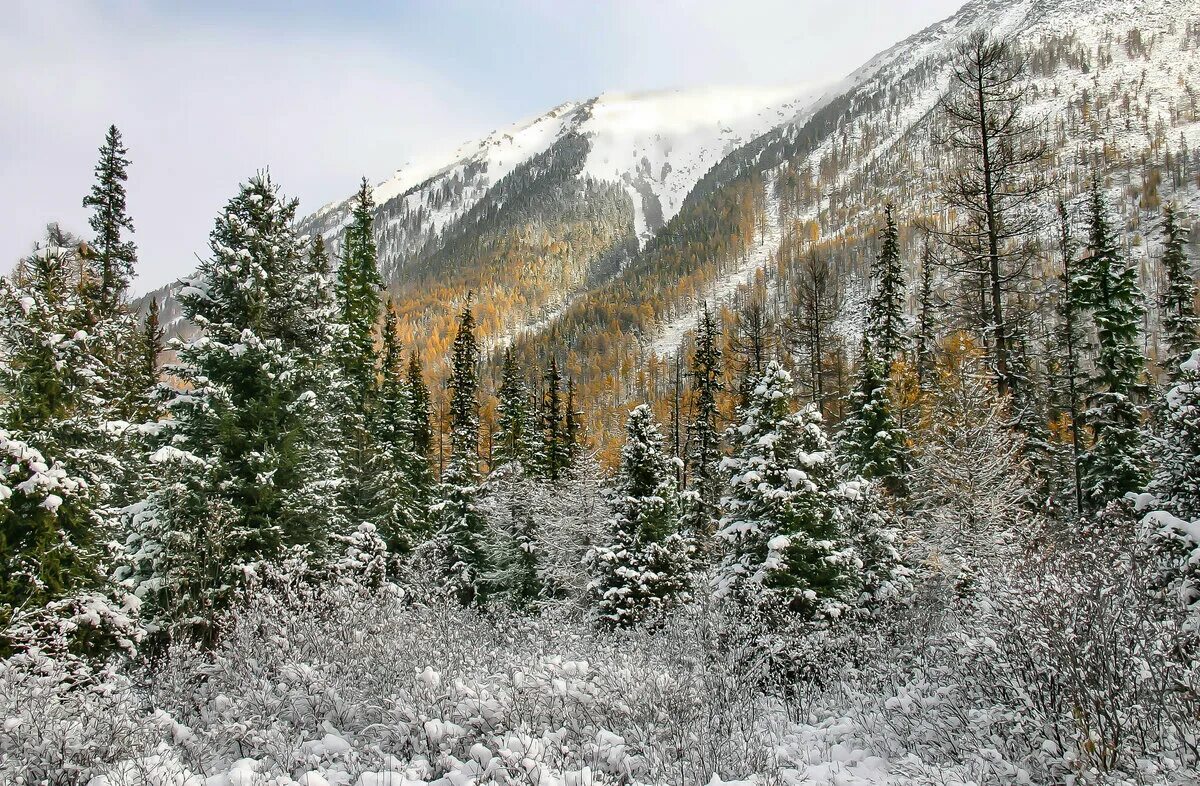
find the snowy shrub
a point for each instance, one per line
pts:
(1068, 667)
(347, 684)
(62, 723)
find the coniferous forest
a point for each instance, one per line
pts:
(914, 501)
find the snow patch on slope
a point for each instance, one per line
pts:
(660, 144)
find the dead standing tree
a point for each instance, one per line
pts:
(994, 182)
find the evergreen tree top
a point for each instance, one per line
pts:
(111, 256)
(256, 274)
(645, 468)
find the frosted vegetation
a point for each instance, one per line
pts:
(965, 552)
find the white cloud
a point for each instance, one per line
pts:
(201, 109)
(334, 91)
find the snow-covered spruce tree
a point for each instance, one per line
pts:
(645, 566)
(1176, 479)
(53, 595)
(1173, 529)
(886, 329)
(511, 506)
(870, 442)
(512, 440)
(701, 501)
(785, 553)
(245, 455)
(396, 509)
(112, 256)
(871, 529)
(460, 544)
(1181, 326)
(49, 369)
(969, 482)
(357, 288)
(48, 548)
(55, 500)
(149, 349)
(556, 453)
(419, 429)
(125, 350)
(1117, 462)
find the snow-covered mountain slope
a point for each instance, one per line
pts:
(1109, 78)
(656, 145)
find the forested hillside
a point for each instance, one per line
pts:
(874, 459)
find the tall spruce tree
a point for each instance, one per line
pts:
(112, 255)
(784, 549)
(926, 339)
(420, 436)
(1071, 308)
(418, 395)
(555, 455)
(462, 533)
(1176, 481)
(1116, 462)
(245, 457)
(1181, 326)
(358, 286)
(573, 417)
(702, 503)
(885, 308)
(644, 568)
(392, 472)
(512, 442)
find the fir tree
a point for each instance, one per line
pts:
(885, 308)
(52, 489)
(644, 568)
(461, 538)
(112, 256)
(144, 390)
(512, 442)
(870, 441)
(1117, 462)
(418, 417)
(392, 472)
(1070, 308)
(785, 551)
(358, 287)
(1175, 484)
(556, 454)
(1181, 326)
(1176, 480)
(513, 545)
(574, 436)
(702, 505)
(245, 457)
(925, 338)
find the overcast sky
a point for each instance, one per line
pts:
(324, 92)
